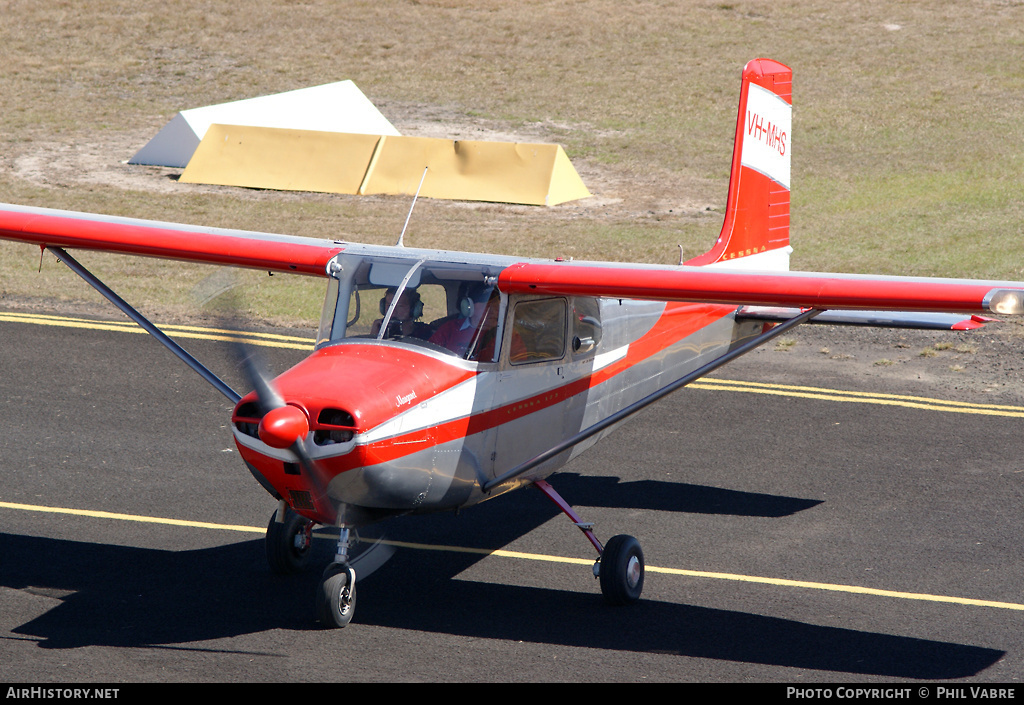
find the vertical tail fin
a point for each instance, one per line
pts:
(755, 234)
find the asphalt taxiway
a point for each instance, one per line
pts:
(790, 537)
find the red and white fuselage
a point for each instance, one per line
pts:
(428, 429)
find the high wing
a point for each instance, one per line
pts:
(708, 284)
(783, 288)
(748, 266)
(56, 228)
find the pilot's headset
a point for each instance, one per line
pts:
(474, 295)
(415, 302)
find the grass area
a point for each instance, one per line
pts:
(908, 141)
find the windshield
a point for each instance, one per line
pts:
(451, 307)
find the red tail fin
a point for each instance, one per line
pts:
(755, 234)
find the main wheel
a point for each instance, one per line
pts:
(336, 597)
(622, 570)
(288, 543)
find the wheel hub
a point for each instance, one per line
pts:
(345, 600)
(633, 571)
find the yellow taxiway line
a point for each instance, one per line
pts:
(910, 402)
(92, 513)
(270, 340)
(501, 553)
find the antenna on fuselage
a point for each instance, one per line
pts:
(402, 235)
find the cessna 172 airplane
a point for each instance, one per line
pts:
(523, 365)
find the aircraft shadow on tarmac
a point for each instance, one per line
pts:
(130, 597)
(587, 491)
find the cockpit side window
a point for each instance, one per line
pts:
(473, 330)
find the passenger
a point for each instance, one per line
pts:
(403, 320)
(472, 335)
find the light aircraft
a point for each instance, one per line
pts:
(515, 366)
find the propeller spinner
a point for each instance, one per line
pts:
(284, 427)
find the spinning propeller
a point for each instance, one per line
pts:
(284, 426)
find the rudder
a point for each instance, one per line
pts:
(755, 234)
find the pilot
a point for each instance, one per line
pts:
(472, 334)
(404, 319)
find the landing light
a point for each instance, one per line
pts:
(1005, 301)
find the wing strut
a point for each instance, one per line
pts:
(126, 308)
(651, 398)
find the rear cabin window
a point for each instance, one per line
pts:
(538, 331)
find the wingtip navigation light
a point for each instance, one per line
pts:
(1005, 301)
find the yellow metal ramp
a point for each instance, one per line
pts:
(331, 162)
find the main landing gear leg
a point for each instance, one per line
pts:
(620, 562)
(336, 595)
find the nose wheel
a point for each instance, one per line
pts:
(336, 596)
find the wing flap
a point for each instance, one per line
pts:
(784, 289)
(877, 319)
(240, 248)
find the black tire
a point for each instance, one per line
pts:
(622, 570)
(335, 598)
(282, 555)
